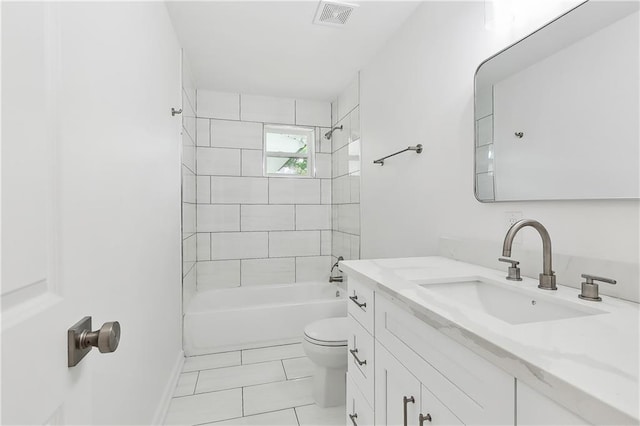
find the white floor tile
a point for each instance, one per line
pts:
(276, 418)
(276, 396)
(250, 356)
(313, 415)
(242, 375)
(186, 384)
(203, 362)
(206, 407)
(296, 368)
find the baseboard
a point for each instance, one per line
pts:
(167, 394)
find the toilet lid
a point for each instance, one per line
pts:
(328, 332)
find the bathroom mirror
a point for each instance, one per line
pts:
(556, 114)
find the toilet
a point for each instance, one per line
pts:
(325, 343)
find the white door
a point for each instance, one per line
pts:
(38, 305)
(90, 209)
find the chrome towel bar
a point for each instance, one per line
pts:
(417, 149)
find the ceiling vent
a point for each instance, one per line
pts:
(333, 13)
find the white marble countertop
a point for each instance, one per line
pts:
(588, 364)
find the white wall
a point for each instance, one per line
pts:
(419, 89)
(253, 229)
(120, 194)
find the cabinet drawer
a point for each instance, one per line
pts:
(360, 304)
(359, 412)
(473, 389)
(360, 365)
(434, 412)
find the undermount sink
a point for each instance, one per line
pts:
(513, 306)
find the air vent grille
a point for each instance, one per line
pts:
(333, 13)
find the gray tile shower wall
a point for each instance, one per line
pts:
(189, 184)
(252, 229)
(346, 146)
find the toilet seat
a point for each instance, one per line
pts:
(328, 332)
(325, 343)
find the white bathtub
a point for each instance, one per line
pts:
(244, 317)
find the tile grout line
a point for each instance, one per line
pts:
(240, 387)
(296, 413)
(242, 393)
(284, 369)
(250, 349)
(252, 363)
(196, 385)
(250, 415)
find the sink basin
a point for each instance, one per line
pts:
(513, 306)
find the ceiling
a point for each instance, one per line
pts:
(273, 48)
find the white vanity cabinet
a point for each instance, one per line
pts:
(403, 371)
(442, 358)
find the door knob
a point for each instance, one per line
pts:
(106, 339)
(81, 339)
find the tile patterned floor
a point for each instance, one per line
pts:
(264, 386)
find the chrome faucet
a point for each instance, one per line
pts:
(547, 277)
(333, 279)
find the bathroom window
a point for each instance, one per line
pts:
(288, 151)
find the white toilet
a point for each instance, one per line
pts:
(325, 343)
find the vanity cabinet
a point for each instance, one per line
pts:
(403, 371)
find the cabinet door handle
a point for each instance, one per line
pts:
(354, 352)
(423, 418)
(354, 298)
(353, 418)
(405, 401)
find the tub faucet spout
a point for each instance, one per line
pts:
(547, 279)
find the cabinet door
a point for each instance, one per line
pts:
(359, 412)
(434, 412)
(396, 389)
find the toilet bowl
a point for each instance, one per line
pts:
(325, 343)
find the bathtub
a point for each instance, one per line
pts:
(246, 317)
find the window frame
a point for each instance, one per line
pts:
(290, 129)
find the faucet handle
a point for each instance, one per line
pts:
(591, 278)
(514, 270)
(590, 289)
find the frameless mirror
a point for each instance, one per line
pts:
(557, 113)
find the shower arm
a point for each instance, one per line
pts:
(330, 132)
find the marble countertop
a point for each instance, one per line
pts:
(588, 364)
